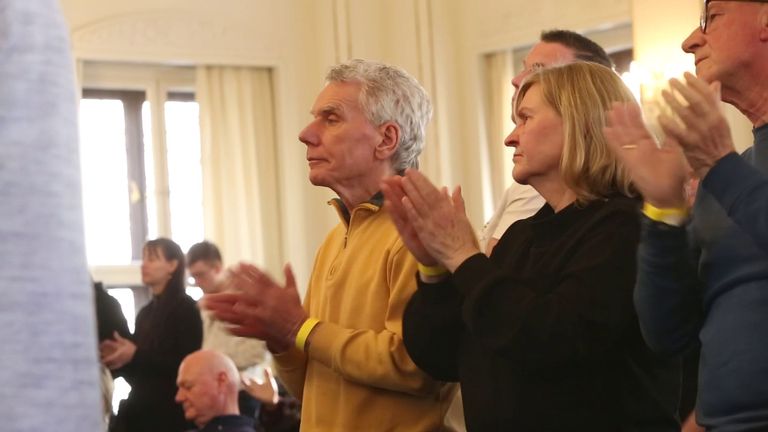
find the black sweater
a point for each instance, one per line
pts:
(542, 334)
(167, 330)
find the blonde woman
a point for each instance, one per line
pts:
(541, 334)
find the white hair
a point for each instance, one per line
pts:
(389, 93)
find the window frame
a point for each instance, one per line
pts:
(159, 84)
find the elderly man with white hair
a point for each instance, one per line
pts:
(342, 353)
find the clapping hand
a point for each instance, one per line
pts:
(703, 132)
(438, 220)
(116, 353)
(658, 172)
(259, 307)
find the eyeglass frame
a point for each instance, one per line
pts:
(704, 18)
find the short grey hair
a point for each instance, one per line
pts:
(389, 93)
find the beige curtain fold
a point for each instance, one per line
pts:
(499, 70)
(239, 159)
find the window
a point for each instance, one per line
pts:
(111, 153)
(139, 181)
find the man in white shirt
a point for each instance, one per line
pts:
(205, 265)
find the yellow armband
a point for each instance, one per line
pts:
(670, 216)
(431, 270)
(304, 330)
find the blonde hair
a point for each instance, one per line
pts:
(581, 93)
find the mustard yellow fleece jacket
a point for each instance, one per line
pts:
(357, 375)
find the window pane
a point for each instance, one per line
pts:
(104, 170)
(124, 296)
(182, 131)
(149, 171)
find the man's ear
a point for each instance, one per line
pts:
(222, 379)
(390, 140)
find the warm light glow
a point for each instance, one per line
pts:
(647, 83)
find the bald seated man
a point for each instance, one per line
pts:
(208, 384)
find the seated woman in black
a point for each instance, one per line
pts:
(542, 335)
(167, 329)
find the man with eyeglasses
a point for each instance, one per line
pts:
(706, 276)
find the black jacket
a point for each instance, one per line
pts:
(542, 334)
(167, 330)
(229, 423)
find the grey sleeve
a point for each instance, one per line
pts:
(48, 362)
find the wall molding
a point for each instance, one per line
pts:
(171, 36)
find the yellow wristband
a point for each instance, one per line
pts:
(670, 216)
(431, 270)
(304, 330)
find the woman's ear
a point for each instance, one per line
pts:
(390, 140)
(174, 264)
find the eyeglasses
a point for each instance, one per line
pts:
(704, 20)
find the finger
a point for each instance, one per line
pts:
(670, 143)
(110, 360)
(709, 92)
(116, 336)
(245, 379)
(681, 110)
(695, 103)
(458, 201)
(399, 218)
(290, 281)
(249, 279)
(270, 380)
(231, 317)
(425, 187)
(414, 197)
(393, 202)
(223, 300)
(672, 129)
(107, 344)
(268, 377)
(414, 218)
(626, 128)
(262, 279)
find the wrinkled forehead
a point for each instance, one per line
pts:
(338, 96)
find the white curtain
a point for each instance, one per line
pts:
(240, 177)
(499, 70)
